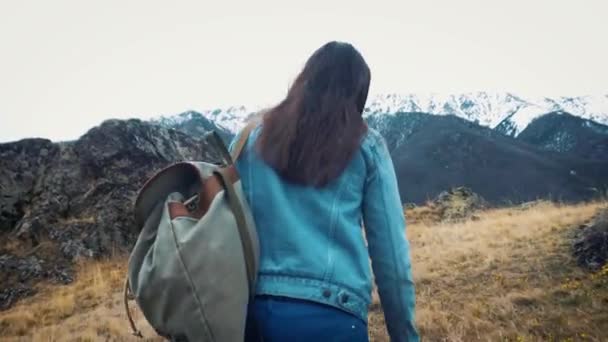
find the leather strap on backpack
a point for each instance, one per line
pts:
(241, 223)
(136, 332)
(240, 144)
(236, 208)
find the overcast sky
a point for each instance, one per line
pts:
(65, 66)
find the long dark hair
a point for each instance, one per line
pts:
(310, 136)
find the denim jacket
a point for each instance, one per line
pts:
(313, 246)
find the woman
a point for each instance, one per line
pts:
(314, 174)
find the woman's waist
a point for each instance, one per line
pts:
(355, 300)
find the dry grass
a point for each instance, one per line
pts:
(506, 276)
(90, 309)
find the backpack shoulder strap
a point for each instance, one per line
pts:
(243, 136)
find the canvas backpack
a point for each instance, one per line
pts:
(193, 267)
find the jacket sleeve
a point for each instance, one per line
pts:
(384, 223)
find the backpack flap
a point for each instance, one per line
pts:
(179, 177)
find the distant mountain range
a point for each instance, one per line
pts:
(504, 147)
(509, 114)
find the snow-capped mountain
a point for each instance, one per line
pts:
(507, 113)
(487, 109)
(432, 153)
(230, 119)
(585, 107)
(194, 123)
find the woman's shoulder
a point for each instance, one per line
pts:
(373, 148)
(373, 142)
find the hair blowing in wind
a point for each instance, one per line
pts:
(310, 136)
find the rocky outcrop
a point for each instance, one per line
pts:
(457, 204)
(454, 205)
(591, 243)
(62, 201)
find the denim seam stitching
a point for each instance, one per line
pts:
(332, 232)
(394, 259)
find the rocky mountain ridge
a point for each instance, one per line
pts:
(566, 133)
(433, 153)
(62, 201)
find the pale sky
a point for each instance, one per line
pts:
(65, 66)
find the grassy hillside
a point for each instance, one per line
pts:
(504, 275)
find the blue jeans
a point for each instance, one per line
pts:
(278, 319)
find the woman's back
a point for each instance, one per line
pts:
(312, 241)
(310, 232)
